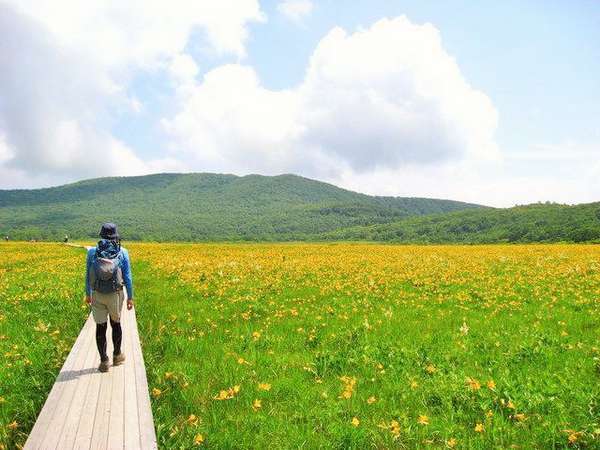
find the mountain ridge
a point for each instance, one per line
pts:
(537, 222)
(203, 206)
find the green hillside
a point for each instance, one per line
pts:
(531, 223)
(202, 207)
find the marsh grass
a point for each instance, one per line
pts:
(370, 346)
(41, 314)
(330, 345)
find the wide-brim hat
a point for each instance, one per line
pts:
(109, 231)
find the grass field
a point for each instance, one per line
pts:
(333, 346)
(40, 316)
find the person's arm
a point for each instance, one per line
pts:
(127, 277)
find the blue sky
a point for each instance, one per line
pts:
(146, 102)
(539, 61)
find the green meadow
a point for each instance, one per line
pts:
(336, 345)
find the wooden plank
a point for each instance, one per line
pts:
(147, 433)
(35, 439)
(102, 415)
(71, 422)
(131, 422)
(85, 427)
(116, 419)
(61, 412)
(87, 409)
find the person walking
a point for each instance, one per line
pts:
(108, 269)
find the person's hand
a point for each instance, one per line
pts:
(129, 304)
(88, 299)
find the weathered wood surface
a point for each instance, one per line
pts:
(87, 409)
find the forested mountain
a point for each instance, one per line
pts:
(530, 223)
(202, 206)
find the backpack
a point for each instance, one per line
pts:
(106, 275)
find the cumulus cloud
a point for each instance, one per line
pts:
(380, 98)
(51, 99)
(295, 10)
(139, 32)
(183, 68)
(66, 71)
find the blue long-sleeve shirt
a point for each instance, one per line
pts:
(124, 264)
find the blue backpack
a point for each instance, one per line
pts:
(106, 275)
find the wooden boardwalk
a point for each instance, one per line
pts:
(87, 409)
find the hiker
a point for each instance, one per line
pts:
(66, 239)
(107, 270)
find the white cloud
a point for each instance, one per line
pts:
(183, 68)
(52, 99)
(67, 66)
(490, 183)
(295, 10)
(385, 97)
(140, 32)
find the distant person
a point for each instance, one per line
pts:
(107, 271)
(66, 238)
(6, 238)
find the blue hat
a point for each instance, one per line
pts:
(109, 231)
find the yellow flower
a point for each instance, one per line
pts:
(264, 386)
(423, 420)
(257, 405)
(198, 439)
(479, 428)
(192, 420)
(451, 443)
(256, 335)
(156, 392)
(222, 395)
(355, 422)
(371, 400)
(41, 327)
(520, 417)
(349, 384)
(226, 394)
(430, 369)
(13, 425)
(473, 384)
(491, 384)
(395, 428)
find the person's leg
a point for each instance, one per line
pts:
(101, 340)
(114, 308)
(100, 315)
(117, 335)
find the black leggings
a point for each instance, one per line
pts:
(117, 336)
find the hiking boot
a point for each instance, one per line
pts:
(118, 359)
(103, 367)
